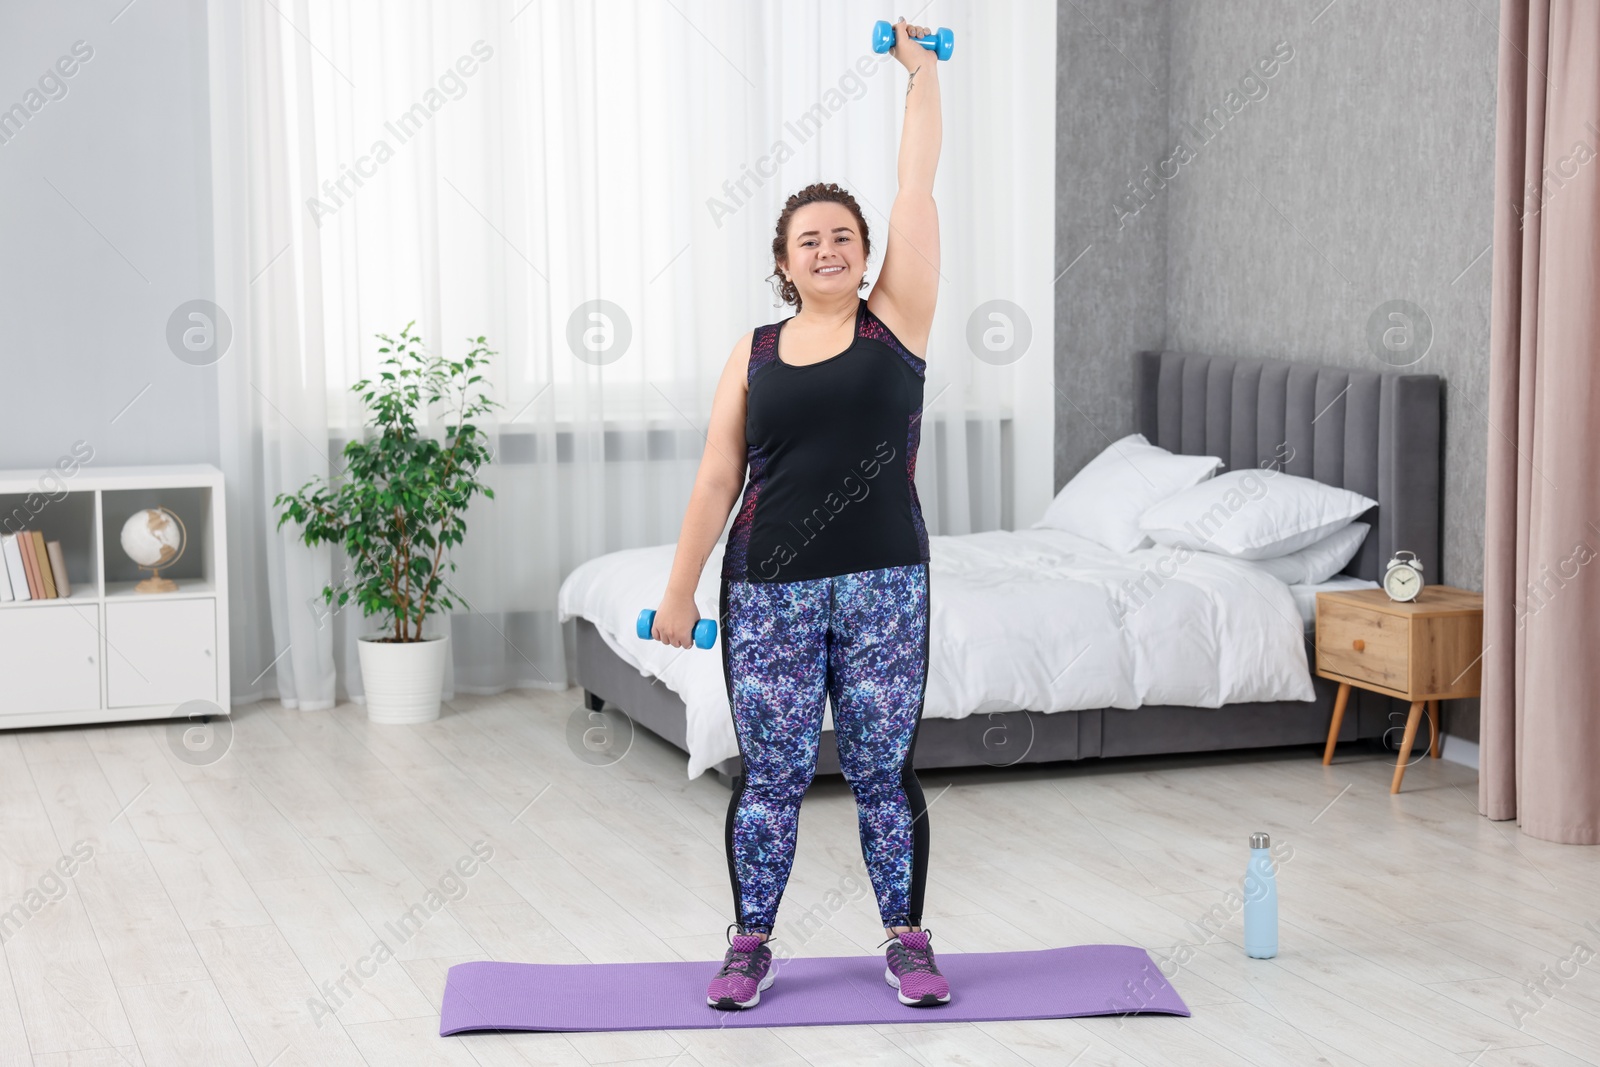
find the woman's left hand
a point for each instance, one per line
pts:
(910, 54)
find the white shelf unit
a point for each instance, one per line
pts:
(108, 653)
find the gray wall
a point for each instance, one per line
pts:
(106, 230)
(1373, 153)
(1110, 122)
(1359, 172)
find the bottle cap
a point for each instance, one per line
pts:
(1259, 840)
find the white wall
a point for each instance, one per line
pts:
(105, 231)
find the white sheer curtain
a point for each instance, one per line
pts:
(493, 169)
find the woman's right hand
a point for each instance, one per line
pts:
(675, 620)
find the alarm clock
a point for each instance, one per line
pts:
(1402, 580)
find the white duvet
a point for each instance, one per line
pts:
(1037, 619)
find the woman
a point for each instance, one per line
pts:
(825, 573)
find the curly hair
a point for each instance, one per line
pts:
(816, 193)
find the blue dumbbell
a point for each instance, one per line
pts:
(705, 631)
(941, 42)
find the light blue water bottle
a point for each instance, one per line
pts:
(1260, 901)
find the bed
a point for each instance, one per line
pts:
(1020, 668)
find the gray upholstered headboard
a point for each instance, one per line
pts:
(1375, 433)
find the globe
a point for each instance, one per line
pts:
(153, 538)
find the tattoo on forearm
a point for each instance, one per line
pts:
(910, 83)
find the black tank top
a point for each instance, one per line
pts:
(832, 452)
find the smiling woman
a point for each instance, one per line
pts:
(818, 599)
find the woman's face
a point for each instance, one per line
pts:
(825, 253)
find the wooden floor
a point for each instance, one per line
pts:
(210, 905)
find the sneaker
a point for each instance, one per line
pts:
(746, 971)
(912, 971)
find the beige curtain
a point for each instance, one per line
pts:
(1540, 732)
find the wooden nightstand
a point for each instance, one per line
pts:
(1424, 651)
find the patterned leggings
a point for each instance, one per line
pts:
(861, 640)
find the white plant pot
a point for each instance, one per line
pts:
(404, 680)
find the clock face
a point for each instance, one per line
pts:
(1402, 583)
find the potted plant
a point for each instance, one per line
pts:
(398, 506)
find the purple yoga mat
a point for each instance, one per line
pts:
(829, 991)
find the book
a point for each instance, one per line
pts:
(35, 587)
(14, 567)
(41, 559)
(58, 568)
(5, 575)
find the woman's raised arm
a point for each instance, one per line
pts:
(908, 284)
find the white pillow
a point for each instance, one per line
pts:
(1253, 514)
(1319, 562)
(1104, 500)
